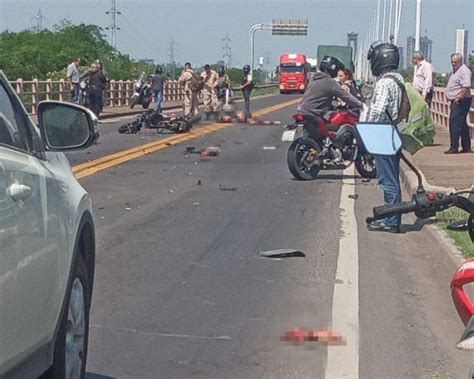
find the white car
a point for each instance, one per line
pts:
(47, 240)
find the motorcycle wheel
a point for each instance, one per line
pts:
(365, 165)
(297, 159)
(134, 102)
(146, 104)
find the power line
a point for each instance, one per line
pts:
(113, 25)
(227, 51)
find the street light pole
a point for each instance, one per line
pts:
(252, 31)
(418, 25)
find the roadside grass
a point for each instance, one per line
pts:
(461, 239)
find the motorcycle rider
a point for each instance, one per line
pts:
(246, 85)
(384, 59)
(321, 91)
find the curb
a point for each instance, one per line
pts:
(410, 182)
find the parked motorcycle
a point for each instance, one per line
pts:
(326, 143)
(152, 119)
(142, 93)
(82, 97)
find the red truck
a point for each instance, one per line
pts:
(293, 71)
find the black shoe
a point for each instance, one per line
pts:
(451, 151)
(466, 151)
(380, 226)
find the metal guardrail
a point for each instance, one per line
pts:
(118, 92)
(440, 108)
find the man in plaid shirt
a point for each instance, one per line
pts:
(384, 59)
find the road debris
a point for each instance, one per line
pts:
(326, 337)
(281, 253)
(232, 189)
(211, 151)
(199, 182)
(353, 196)
(269, 148)
(171, 191)
(128, 209)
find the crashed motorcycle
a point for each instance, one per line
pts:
(326, 143)
(142, 92)
(152, 119)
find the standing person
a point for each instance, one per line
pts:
(246, 86)
(209, 91)
(222, 84)
(384, 59)
(423, 78)
(458, 92)
(73, 74)
(97, 83)
(157, 85)
(190, 94)
(346, 80)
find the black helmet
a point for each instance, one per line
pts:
(246, 69)
(158, 70)
(220, 70)
(331, 65)
(383, 56)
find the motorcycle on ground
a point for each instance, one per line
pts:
(152, 119)
(326, 143)
(142, 92)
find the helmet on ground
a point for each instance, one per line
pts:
(331, 65)
(158, 70)
(383, 56)
(246, 69)
(220, 70)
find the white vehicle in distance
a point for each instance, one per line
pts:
(47, 240)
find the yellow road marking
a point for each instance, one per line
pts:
(92, 167)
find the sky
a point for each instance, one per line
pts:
(198, 27)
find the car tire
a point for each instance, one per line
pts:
(70, 347)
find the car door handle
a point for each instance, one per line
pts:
(19, 191)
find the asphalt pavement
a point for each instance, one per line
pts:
(181, 289)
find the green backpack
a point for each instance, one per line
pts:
(414, 120)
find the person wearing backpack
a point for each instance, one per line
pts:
(188, 82)
(386, 101)
(458, 92)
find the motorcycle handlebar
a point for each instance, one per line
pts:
(394, 209)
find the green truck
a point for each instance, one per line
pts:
(343, 53)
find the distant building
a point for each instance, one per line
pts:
(462, 43)
(402, 65)
(410, 51)
(426, 46)
(352, 42)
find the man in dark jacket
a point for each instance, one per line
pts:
(157, 85)
(322, 89)
(97, 83)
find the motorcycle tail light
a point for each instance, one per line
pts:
(298, 117)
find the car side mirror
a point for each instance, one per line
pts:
(66, 126)
(379, 138)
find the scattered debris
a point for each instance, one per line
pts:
(269, 148)
(196, 203)
(211, 151)
(353, 196)
(128, 209)
(282, 253)
(199, 182)
(171, 191)
(233, 189)
(276, 122)
(299, 336)
(101, 207)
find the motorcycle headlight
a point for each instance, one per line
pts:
(137, 85)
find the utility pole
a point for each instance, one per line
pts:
(113, 25)
(227, 51)
(39, 21)
(171, 55)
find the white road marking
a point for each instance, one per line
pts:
(343, 361)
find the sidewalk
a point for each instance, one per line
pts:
(441, 170)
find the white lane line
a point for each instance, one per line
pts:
(343, 361)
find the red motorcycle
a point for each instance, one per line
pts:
(326, 143)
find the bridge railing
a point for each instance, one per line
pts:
(118, 92)
(440, 108)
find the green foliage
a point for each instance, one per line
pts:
(46, 54)
(461, 239)
(407, 74)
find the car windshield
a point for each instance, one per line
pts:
(292, 69)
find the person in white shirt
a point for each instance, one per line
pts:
(423, 78)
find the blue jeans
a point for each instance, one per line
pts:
(158, 99)
(74, 92)
(388, 176)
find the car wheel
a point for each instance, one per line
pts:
(70, 350)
